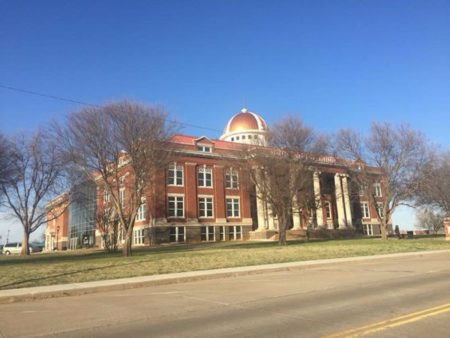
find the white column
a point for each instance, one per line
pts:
(260, 211)
(339, 201)
(318, 198)
(270, 219)
(348, 210)
(295, 215)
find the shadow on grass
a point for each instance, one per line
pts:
(29, 280)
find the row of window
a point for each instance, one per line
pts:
(210, 233)
(107, 197)
(364, 209)
(175, 176)
(205, 207)
(177, 234)
(365, 212)
(207, 233)
(376, 190)
(243, 137)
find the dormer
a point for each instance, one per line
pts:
(204, 144)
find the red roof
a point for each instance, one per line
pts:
(191, 140)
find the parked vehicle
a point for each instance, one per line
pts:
(12, 248)
(36, 247)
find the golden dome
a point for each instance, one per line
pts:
(245, 120)
(245, 127)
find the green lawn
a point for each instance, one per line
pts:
(90, 265)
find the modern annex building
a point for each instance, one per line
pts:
(203, 198)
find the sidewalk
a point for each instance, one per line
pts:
(42, 292)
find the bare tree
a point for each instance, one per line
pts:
(121, 146)
(5, 160)
(428, 219)
(38, 178)
(390, 156)
(435, 184)
(108, 226)
(283, 172)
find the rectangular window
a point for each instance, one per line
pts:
(205, 207)
(205, 149)
(204, 177)
(233, 207)
(235, 233)
(175, 174)
(365, 210)
(122, 197)
(106, 196)
(207, 233)
(368, 229)
(138, 236)
(377, 190)
(231, 179)
(328, 209)
(177, 234)
(380, 209)
(141, 213)
(175, 206)
(222, 233)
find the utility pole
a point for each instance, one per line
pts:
(7, 237)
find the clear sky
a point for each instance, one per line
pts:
(334, 63)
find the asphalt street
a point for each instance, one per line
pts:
(388, 297)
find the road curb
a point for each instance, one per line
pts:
(74, 289)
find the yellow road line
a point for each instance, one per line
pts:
(393, 322)
(403, 322)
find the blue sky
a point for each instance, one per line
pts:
(334, 63)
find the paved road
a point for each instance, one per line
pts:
(396, 297)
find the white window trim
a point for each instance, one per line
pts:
(234, 232)
(106, 196)
(138, 240)
(368, 229)
(177, 233)
(232, 171)
(184, 205)
(205, 167)
(222, 228)
(202, 146)
(208, 233)
(368, 210)
(175, 164)
(122, 199)
(327, 205)
(226, 206)
(212, 205)
(138, 216)
(377, 190)
(380, 205)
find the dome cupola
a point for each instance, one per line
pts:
(245, 127)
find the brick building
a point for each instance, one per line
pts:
(202, 197)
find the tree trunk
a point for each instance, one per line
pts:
(126, 250)
(282, 230)
(384, 230)
(25, 244)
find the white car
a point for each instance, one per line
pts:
(16, 248)
(12, 248)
